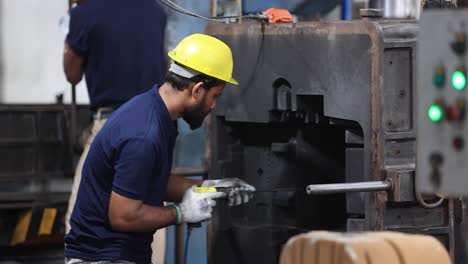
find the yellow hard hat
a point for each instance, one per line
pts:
(205, 54)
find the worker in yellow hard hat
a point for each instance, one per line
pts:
(126, 175)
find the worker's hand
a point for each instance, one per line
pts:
(241, 191)
(197, 207)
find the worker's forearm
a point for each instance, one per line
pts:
(73, 65)
(177, 186)
(146, 219)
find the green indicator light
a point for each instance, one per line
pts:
(458, 80)
(439, 76)
(435, 113)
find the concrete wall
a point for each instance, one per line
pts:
(31, 46)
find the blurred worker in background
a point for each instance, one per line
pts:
(126, 176)
(119, 46)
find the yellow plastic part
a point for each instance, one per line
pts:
(205, 54)
(47, 221)
(22, 227)
(204, 189)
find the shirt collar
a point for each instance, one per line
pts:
(167, 119)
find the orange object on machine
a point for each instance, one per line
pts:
(278, 15)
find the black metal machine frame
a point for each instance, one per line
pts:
(320, 103)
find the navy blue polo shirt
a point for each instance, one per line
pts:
(132, 156)
(122, 43)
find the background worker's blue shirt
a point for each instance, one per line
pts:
(122, 43)
(132, 156)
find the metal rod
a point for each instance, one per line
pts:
(280, 190)
(372, 186)
(239, 7)
(73, 125)
(214, 8)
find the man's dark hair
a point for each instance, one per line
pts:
(180, 83)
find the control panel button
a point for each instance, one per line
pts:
(439, 76)
(458, 143)
(459, 44)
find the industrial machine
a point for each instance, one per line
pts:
(329, 106)
(37, 162)
(441, 150)
(325, 123)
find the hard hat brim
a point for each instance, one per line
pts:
(229, 80)
(232, 81)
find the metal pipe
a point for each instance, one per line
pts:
(346, 9)
(372, 186)
(214, 8)
(239, 7)
(179, 244)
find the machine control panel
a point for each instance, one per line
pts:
(442, 155)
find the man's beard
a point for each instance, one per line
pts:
(195, 115)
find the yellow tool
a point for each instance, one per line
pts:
(228, 189)
(205, 189)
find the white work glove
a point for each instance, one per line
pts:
(241, 191)
(197, 207)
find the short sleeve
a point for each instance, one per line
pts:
(135, 165)
(79, 31)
